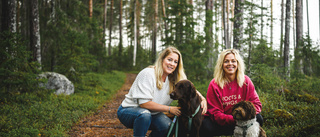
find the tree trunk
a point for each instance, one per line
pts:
(8, 17)
(307, 6)
(287, 41)
(105, 21)
(90, 8)
(238, 24)
(138, 9)
(299, 36)
(154, 32)
(281, 31)
(225, 25)
(227, 19)
(110, 27)
(261, 20)
(35, 31)
(271, 25)
(165, 16)
(209, 35)
(250, 37)
(135, 34)
(120, 29)
(293, 25)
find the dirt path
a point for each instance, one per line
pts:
(104, 123)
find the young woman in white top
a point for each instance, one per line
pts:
(143, 107)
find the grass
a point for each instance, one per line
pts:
(43, 113)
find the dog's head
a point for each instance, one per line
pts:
(243, 110)
(184, 89)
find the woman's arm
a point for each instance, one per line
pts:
(203, 103)
(153, 106)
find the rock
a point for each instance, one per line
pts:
(58, 82)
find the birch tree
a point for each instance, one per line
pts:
(35, 31)
(287, 41)
(135, 34)
(8, 19)
(104, 21)
(281, 31)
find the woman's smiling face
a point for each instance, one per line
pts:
(170, 63)
(230, 64)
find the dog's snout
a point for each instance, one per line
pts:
(172, 95)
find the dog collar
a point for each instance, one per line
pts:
(245, 128)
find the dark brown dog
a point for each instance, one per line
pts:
(244, 113)
(189, 101)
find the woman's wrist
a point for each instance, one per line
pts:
(169, 110)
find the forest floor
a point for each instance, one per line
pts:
(104, 122)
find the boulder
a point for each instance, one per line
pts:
(58, 82)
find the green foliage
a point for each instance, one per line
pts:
(265, 78)
(310, 54)
(17, 72)
(194, 59)
(190, 44)
(68, 44)
(262, 54)
(46, 114)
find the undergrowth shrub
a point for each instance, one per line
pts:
(284, 117)
(17, 73)
(265, 78)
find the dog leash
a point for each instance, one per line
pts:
(175, 121)
(190, 118)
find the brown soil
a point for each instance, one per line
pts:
(104, 123)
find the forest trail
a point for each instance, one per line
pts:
(105, 123)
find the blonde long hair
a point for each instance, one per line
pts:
(177, 75)
(219, 74)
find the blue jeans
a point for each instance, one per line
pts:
(141, 120)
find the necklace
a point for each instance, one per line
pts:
(229, 86)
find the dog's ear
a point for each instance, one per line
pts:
(251, 108)
(193, 91)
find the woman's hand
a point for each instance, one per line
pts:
(203, 103)
(204, 106)
(175, 110)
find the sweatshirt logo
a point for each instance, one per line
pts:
(230, 100)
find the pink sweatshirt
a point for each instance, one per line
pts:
(220, 101)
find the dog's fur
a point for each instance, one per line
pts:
(188, 100)
(244, 113)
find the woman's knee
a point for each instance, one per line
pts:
(259, 119)
(143, 118)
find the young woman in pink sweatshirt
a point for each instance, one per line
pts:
(229, 86)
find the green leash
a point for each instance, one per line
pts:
(175, 121)
(190, 118)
